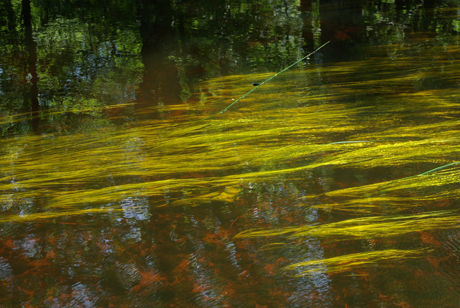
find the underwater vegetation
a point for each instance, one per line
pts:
(378, 125)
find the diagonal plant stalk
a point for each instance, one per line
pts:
(229, 106)
(438, 168)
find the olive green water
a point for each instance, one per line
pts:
(334, 184)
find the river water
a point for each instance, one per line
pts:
(140, 167)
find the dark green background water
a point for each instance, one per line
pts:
(91, 91)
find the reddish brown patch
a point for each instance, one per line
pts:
(442, 203)
(385, 298)
(433, 261)
(223, 233)
(52, 240)
(210, 238)
(39, 263)
(375, 241)
(228, 291)
(113, 111)
(102, 246)
(178, 113)
(10, 244)
(363, 274)
(289, 218)
(279, 292)
(183, 266)
(27, 305)
(314, 295)
(403, 305)
(51, 254)
(270, 268)
(199, 288)
(427, 238)
(28, 292)
(147, 278)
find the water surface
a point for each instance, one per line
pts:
(334, 184)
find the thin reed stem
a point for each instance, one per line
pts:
(229, 106)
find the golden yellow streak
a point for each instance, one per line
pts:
(279, 132)
(353, 261)
(366, 227)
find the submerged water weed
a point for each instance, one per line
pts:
(295, 124)
(352, 261)
(366, 227)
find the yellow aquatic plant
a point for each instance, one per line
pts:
(353, 261)
(366, 227)
(292, 125)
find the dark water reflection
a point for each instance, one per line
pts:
(317, 190)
